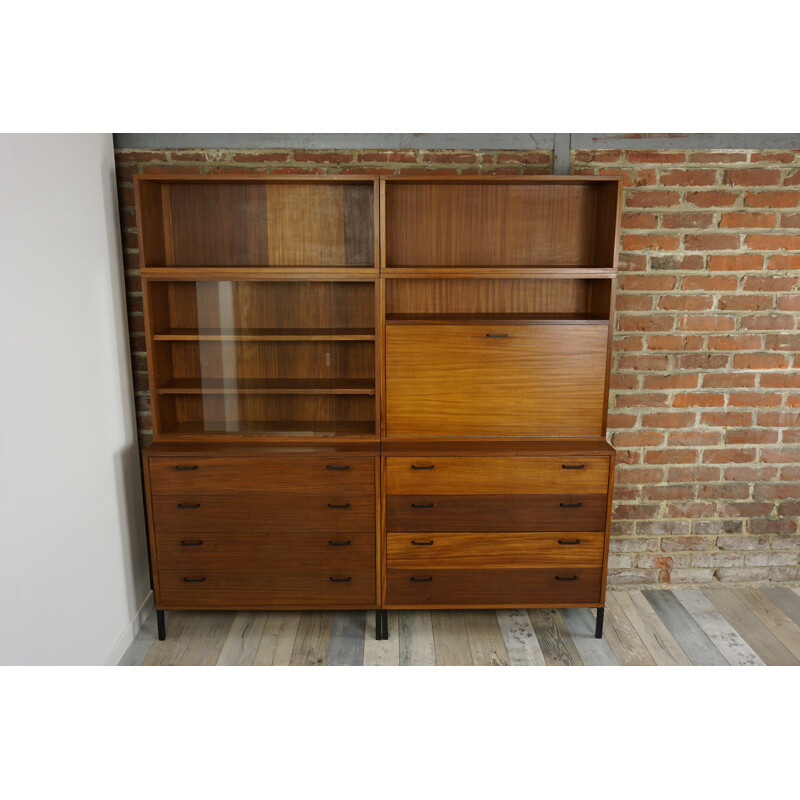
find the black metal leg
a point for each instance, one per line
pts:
(598, 628)
(378, 624)
(162, 625)
(385, 626)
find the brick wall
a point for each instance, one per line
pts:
(705, 385)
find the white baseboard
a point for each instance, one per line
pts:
(129, 634)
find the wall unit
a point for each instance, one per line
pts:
(424, 361)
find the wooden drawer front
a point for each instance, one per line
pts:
(493, 550)
(197, 588)
(515, 512)
(268, 551)
(251, 474)
(472, 587)
(495, 380)
(252, 513)
(497, 475)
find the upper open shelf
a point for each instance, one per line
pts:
(257, 221)
(506, 223)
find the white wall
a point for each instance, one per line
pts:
(73, 558)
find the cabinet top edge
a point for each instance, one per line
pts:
(219, 449)
(178, 177)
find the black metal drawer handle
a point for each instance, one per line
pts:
(185, 469)
(340, 580)
(338, 544)
(496, 335)
(191, 543)
(573, 466)
(422, 580)
(569, 541)
(193, 580)
(570, 505)
(566, 578)
(188, 505)
(338, 505)
(422, 505)
(422, 544)
(332, 466)
(414, 466)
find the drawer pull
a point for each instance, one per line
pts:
(422, 544)
(422, 505)
(573, 466)
(496, 335)
(338, 505)
(570, 505)
(338, 544)
(569, 541)
(340, 580)
(188, 505)
(185, 469)
(430, 466)
(193, 580)
(191, 542)
(422, 580)
(333, 466)
(566, 577)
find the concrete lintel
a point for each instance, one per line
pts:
(686, 141)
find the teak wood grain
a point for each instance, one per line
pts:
(495, 380)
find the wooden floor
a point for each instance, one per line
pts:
(720, 626)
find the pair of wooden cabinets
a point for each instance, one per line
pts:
(378, 393)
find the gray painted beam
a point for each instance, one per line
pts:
(686, 141)
(561, 147)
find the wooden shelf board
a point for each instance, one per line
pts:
(258, 273)
(268, 386)
(300, 428)
(515, 319)
(266, 335)
(531, 271)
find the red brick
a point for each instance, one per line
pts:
(778, 491)
(632, 177)
(274, 158)
(667, 492)
(725, 419)
(689, 177)
(768, 322)
(705, 361)
(637, 476)
(712, 199)
(780, 455)
(783, 261)
(641, 362)
(640, 400)
(789, 509)
(694, 438)
(651, 242)
(746, 509)
(691, 510)
(623, 381)
(297, 171)
(716, 157)
(638, 439)
(673, 342)
(668, 419)
(451, 157)
(754, 399)
(789, 303)
(386, 156)
(652, 199)
(740, 342)
(676, 380)
(724, 491)
(791, 473)
(671, 456)
(793, 179)
(750, 436)
(751, 473)
(641, 221)
(729, 380)
(769, 283)
(627, 343)
(709, 283)
(648, 283)
(779, 419)
(778, 380)
(171, 170)
(745, 302)
(790, 220)
(645, 322)
(750, 261)
(711, 241)
(780, 157)
(632, 262)
(760, 361)
(752, 177)
(139, 156)
(635, 511)
(743, 219)
(634, 302)
(697, 219)
(729, 455)
(319, 157)
(521, 157)
(686, 302)
(698, 400)
(706, 322)
(621, 420)
(628, 457)
(772, 199)
(677, 261)
(779, 241)
(655, 157)
(693, 474)
(599, 156)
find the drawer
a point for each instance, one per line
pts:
(231, 475)
(521, 588)
(192, 589)
(494, 550)
(267, 513)
(513, 512)
(485, 379)
(268, 551)
(497, 475)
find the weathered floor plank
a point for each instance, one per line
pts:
(313, 639)
(622, 637)
(688, 634)
(179, 632)
(207, 638)
(383, 652)
(781, 625)
(277, 640)
(142, 643)
(415, 629)
(786, 600)
(519, 637)
(346, 648)
(593, 652)
(735, 649)
(239, 649)
(485, 639)
(554, 638)
(750, 628)
(660, 643)
(450, 639)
